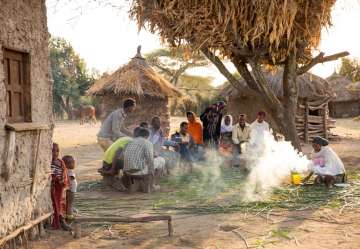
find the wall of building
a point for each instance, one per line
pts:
(344, 109)
(23, 27)
(250, 106)
(146, 109)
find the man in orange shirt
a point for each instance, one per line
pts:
(195, 130)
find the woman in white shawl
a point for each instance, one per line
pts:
(226, 134)
(326, 164)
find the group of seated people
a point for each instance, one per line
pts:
(144, 151)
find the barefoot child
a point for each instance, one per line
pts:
(59, 181)
(70, 192)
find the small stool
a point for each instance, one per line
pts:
(137, 182)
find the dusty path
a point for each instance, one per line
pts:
(311, 228)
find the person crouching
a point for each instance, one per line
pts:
(139, 160)
(326, 164)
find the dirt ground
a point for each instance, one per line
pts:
(315, 227)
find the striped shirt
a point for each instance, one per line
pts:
(57, 168)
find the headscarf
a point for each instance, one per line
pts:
(320, 141)
(226, 128)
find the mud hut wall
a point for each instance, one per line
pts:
(23, 27)
(249, 106)
(344, 109)
(146, 108)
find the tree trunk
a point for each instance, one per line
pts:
(283, 112)
(290, 88)
(68, 108)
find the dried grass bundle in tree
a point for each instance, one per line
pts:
(270, 29)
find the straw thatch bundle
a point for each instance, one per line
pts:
(270, 29)
(340, 85)
(310, 86)
(136, 78)
(354, 87)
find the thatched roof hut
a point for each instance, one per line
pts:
(314, 94)
(346, 103)
(138, 80)
(310, 86)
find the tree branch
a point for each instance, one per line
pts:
(320, 59)
(224, 71)
(265, 90)
(245, 73)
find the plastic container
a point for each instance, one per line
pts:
(296, 178)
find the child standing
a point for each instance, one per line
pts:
(59, 181)
(70, 192)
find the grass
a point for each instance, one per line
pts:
(221, 190)
(195, 193)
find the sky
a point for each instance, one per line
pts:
(106, 38)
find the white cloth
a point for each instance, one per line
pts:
(72, 180)
(257, 133)
(226, 128)
(327, 162)
(159, 164)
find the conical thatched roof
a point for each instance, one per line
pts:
(310, 86)
(339, 85)
(135, 78)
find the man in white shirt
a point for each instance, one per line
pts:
(326, 164)
(258, 128)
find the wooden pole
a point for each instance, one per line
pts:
(35, 163)
(10, 154)
(78, 221)
(325, 109)
(306, 122)
(24, 228)
(170, 227)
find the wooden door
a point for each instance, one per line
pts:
(17, 83)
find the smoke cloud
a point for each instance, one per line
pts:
(270, 163)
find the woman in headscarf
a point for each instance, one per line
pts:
(226, 135)
(326, 164)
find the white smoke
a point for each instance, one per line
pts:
(270, 163)
(211, 171)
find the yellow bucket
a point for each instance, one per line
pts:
(296, 178)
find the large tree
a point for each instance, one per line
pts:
(70, 75)
(251, 34)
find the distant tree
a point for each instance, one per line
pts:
(71, 78)
(173, 64)
(350, 68)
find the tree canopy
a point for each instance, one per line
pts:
(70, 75)
(350, 68)
(174, 63)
